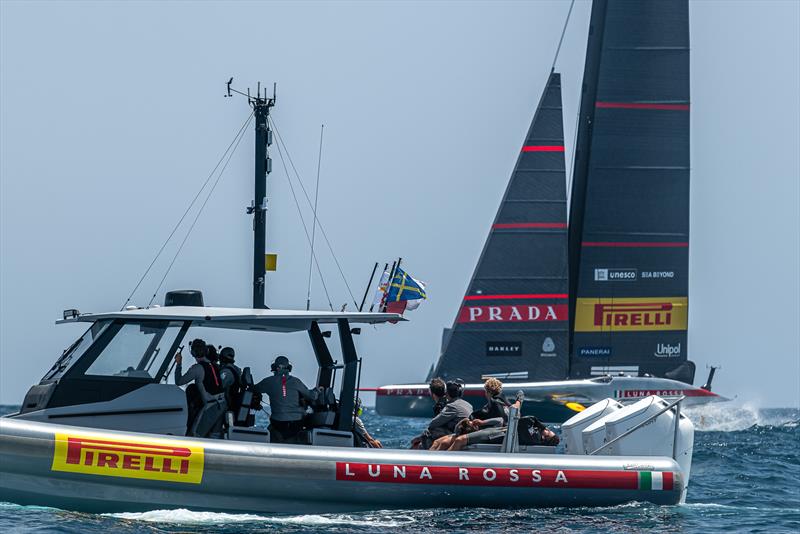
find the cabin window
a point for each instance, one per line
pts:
(136, 351)
(74, 352)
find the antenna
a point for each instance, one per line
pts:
(263, 166)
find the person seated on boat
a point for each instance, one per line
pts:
(494, 414)
(203, 378)
(287, 399)
(361, 437)
(437, 389)
(473, 431)
(454, 411)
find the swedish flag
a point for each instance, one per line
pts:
(404, 287)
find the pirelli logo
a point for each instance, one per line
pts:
(154, 459)
(631, 314)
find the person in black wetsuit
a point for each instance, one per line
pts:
(204, 379)
(231, 377)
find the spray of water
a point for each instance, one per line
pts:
(728, 417)
(184, 516)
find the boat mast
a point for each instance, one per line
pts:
(580, 170)
(261, 105)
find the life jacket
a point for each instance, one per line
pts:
(211, 380)
(235, 391)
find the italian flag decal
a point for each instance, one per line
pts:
(655, 480)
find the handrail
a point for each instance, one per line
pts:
(640, 425)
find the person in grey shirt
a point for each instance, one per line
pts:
(454, 411)
(203, 378)
(286, 395)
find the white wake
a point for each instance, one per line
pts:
(189, 517)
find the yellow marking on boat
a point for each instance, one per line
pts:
(152, 458)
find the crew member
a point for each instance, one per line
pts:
(437, 389)
(362, 437)
(483, 425)
(204, 378)
(454, 411)
(231, 377)
(286, 399)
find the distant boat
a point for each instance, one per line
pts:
(601, 295)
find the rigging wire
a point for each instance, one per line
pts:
(202, 206)
(186, 212)
(308, 199)
(563, 32)
(303, 222)
(314, 226)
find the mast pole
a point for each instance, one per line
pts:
(580, 169)
(261, 105)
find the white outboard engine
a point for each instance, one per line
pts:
(571, 430)
(657, 437)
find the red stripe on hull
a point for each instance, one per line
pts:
(641, 105)
(518, 296)
(502, 226)
(490, 476)
(542, 148)
(632, 244)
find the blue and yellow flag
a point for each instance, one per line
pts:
(405, 287)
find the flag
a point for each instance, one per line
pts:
(383, 284)
(404, 293)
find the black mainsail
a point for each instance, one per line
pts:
(513, 322)
(629, 207)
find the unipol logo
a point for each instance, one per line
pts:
(517, 313)
(667, 351)
(152, 459)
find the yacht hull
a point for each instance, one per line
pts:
(552, 402)
(104, 471)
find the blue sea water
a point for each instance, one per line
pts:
(745, 478)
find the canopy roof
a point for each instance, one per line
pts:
(238, 318)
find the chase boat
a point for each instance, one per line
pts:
(102, 432)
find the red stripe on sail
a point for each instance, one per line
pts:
(519, 296)
(641, 105)
(543, 148)
(503, 226)
(639, 244)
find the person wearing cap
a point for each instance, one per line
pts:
(203, 377)
(454, 411)
(287, 399)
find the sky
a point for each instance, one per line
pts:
(113, 116)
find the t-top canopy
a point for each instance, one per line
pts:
(270, 320)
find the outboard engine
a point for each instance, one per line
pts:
(657, 437)
(572, 428)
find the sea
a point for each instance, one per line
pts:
(745, 478)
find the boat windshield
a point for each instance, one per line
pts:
(136, 350)
(74, 352)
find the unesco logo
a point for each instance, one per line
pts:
(615, 275)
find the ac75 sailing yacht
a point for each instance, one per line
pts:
(575, 310)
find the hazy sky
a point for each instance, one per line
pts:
(113, 116)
